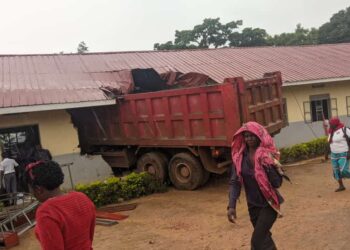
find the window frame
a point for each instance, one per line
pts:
(32, 132)
(332, 106)
(347, 98)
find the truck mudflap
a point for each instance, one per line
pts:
(209, 162)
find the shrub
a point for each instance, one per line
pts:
(304, 151)
(114, 189)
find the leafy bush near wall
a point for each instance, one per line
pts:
(115, 189)
(304, 151)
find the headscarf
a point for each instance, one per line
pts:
(31, 166)
(264, 157)
(334, 122)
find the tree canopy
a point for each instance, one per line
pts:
(211, 33)
(300, 36)
(337, 30)
(82, 48)
(248, 37)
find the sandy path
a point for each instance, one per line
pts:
(315, 218)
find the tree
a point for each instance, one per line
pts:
(337, 30)
(249, 37)
(82, 48)
(163, 46)
(300, 36)
(211, 33)
(171, 46)
(184, 39)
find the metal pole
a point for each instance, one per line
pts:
(70, 177)
(70, 173)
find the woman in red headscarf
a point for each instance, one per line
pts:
(253, 156)
(338, 141)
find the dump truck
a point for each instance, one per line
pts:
(180, 134)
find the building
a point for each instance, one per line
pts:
(309, 103)
(37, 90)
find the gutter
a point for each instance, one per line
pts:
(58, 106)
(328, 80)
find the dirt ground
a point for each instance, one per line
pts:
(315, 217)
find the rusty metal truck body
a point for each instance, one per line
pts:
(184, 134)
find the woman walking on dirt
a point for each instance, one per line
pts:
(254, 166)
(64, 220)
(338, 140)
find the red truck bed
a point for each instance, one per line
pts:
(198, 116)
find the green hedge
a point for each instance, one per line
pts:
(115, 189)
(304, 151)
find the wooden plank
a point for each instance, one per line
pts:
(118, 207)
(105, 222)
(110, 216)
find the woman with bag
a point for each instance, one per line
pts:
(253, 156)
(339, 143)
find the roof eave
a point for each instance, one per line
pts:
(337, 79)
(58, 106)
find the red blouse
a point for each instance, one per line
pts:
(66, 222)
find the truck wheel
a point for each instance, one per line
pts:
(154, 163)
(185, 171)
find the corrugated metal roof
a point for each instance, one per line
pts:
(72, 78)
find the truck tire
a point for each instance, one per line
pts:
(185, 171)
(154, 163)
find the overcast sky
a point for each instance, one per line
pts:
(48, 26)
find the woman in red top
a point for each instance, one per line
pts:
(63, 220)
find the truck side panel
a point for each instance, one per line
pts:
(204, 116)
(199, 116)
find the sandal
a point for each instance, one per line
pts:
(339, 189)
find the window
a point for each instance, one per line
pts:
(13, 140)
(320, 107)
(348, 105)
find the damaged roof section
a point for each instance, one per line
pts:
(149, 80)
